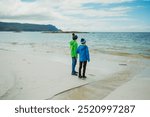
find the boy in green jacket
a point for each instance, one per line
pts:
(73, 48)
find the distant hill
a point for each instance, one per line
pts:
(5, 26)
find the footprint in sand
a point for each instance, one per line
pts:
(26, 61)
(91, 74)
(123, 64)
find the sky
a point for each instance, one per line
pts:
(80, 15)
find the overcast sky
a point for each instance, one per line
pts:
(80, 15)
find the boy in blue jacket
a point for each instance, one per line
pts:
(84, 56)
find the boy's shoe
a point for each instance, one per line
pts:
(80, 76)
(84, 77)
(74, 74)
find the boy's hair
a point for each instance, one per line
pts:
(73, 34)
(75, 37)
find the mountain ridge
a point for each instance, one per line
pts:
(15, 26)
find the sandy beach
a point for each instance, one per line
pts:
(25, 76)
(40, 40)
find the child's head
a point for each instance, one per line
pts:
(83, 41)
(75, 37)
(73, 34)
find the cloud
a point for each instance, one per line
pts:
(67, 14)
(22, 10)
(28, 0)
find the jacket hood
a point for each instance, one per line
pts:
(83, 47)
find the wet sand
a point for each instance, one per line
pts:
(97, 90)
(129, 83)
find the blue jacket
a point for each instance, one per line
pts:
(83, 52)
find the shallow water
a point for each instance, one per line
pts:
(137, 43)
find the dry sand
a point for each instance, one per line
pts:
(34, 77)
(29, 76)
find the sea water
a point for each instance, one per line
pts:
(137, 43)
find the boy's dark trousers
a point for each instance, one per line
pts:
(82, 64)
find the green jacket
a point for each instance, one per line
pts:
(73, 48)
